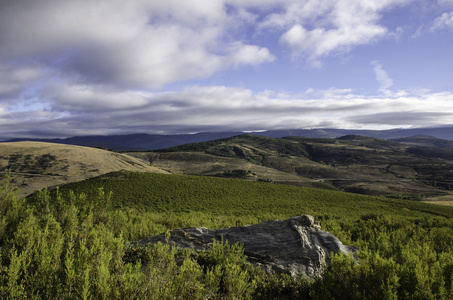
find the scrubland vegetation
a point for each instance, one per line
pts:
(75, 242)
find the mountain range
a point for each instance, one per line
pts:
(143, 141)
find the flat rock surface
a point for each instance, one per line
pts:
(296, 246)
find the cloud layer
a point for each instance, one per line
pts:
(148, 44)
(127, 44)
(217, 108)
(112, 66)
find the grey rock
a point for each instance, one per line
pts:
(296, 246)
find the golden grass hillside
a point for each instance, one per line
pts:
(36, 165)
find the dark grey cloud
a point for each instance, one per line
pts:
(403, 118)
(126, 44)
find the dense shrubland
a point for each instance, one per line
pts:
(77, 245)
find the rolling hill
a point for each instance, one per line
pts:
(425, 141)
(36, 165)
(419, 167)
(350, 163)
(183, 194)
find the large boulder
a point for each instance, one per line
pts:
(296, 246)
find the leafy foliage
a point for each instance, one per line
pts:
(76, 244)
(163, 193)
(238, 173)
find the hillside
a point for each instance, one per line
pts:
(36, 165)
(425, 141)
(165, 193)
(350, 163)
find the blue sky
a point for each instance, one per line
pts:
(80, 67)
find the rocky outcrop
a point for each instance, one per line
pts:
(296, 246)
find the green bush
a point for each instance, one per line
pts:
(72, 245)
(238, 173)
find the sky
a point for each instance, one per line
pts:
(104, 67)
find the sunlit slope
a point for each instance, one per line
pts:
(35, 165)
(200, 163)
(222, 196)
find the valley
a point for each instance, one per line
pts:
(351, 163)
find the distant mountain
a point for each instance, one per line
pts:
(135, 142)
(143, 142)
(438, 132)
(425, 140)
(428, 146)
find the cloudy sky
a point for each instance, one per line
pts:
(83, 67)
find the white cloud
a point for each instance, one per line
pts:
(220, 108)
(382, 77)
(319, 42)
(315, 29)
(444, 22)
(251, 55)
(88, 98)
(147, 45)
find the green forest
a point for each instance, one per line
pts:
(75, 241)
